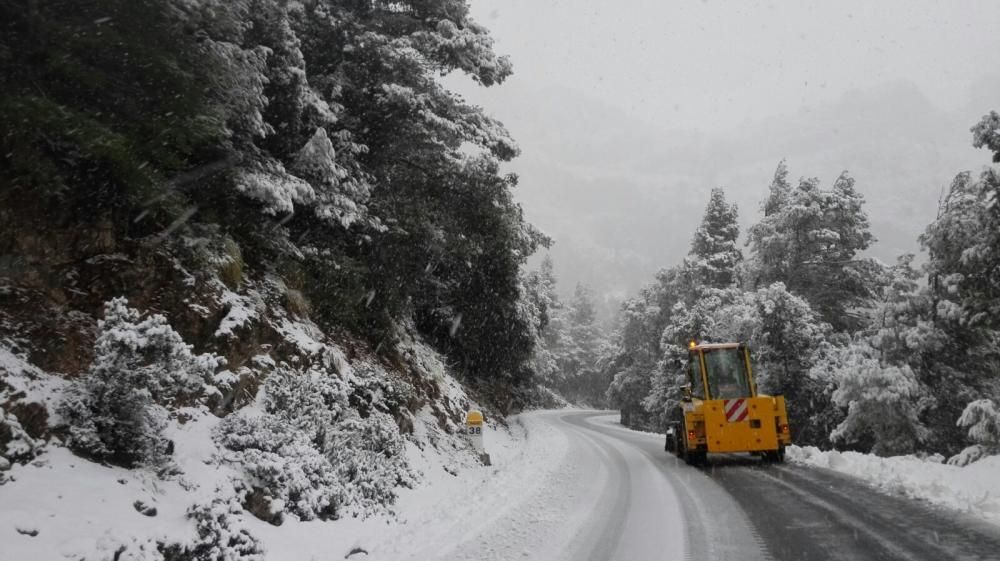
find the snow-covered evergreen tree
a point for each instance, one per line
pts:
(961, 306)
(548, 322)
(982, 420)
(986, 134)
(631, 361)
(964, 247)
(809, 239)
(582, 380)
(714, 255)
(882, 402)
(779, 190)
(115, 412)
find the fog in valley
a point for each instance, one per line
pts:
(628, 114)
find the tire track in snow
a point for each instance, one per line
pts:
(879, 526)
(599, 537)
(716, 527)
(540, 523)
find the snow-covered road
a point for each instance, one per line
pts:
(564, 485)
(608, 493)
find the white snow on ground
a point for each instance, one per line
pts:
(973, 489)
(455, 502)
(80, 509)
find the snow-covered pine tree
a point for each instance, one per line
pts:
(582, 381)
(631, 360)
(982, 420)
(986, 134)
(714, 255)
(809, 239)
(962, 306)
(548, 320)
(882, 402)
(778, 191)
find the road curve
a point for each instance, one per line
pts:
(741, 509)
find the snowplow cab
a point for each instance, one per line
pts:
(721, 411)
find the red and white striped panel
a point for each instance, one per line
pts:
(736, 410)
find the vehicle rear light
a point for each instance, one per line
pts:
(784, 428)
(691, 435)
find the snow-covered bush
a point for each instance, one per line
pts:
(283, 470)
(219, 538)
(982, 419)
(312, 401)
(311, 453)
(372, 389)
(969, 455)
(368, 453)
(19, 444)
(882, 402)
(116, 411)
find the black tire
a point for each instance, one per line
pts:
(775, 456)
(694, 457)
(697, 458)
(672, 444)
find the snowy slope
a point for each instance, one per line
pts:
(54, 504)
(61, 506)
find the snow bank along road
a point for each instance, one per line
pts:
(623, 498)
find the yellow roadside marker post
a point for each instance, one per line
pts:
(474, 430)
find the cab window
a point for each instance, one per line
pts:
(726, 373)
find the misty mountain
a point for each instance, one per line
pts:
(622, 205)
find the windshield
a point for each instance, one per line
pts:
(726, 373)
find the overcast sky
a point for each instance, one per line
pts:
(707, 65)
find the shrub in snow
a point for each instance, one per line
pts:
(282, 469)
(19, 445)
(373, 389)
(362, 441)
(368, 455)
(116, 411)
(311, 453)
(312, 401)
(969, 455)
(219, 538)
(982, 419)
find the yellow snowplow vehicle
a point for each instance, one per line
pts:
(721, 411)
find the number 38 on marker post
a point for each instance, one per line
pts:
(474, 428)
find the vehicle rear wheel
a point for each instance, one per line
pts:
(693, 457)
(775, 456)
(697, 458)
